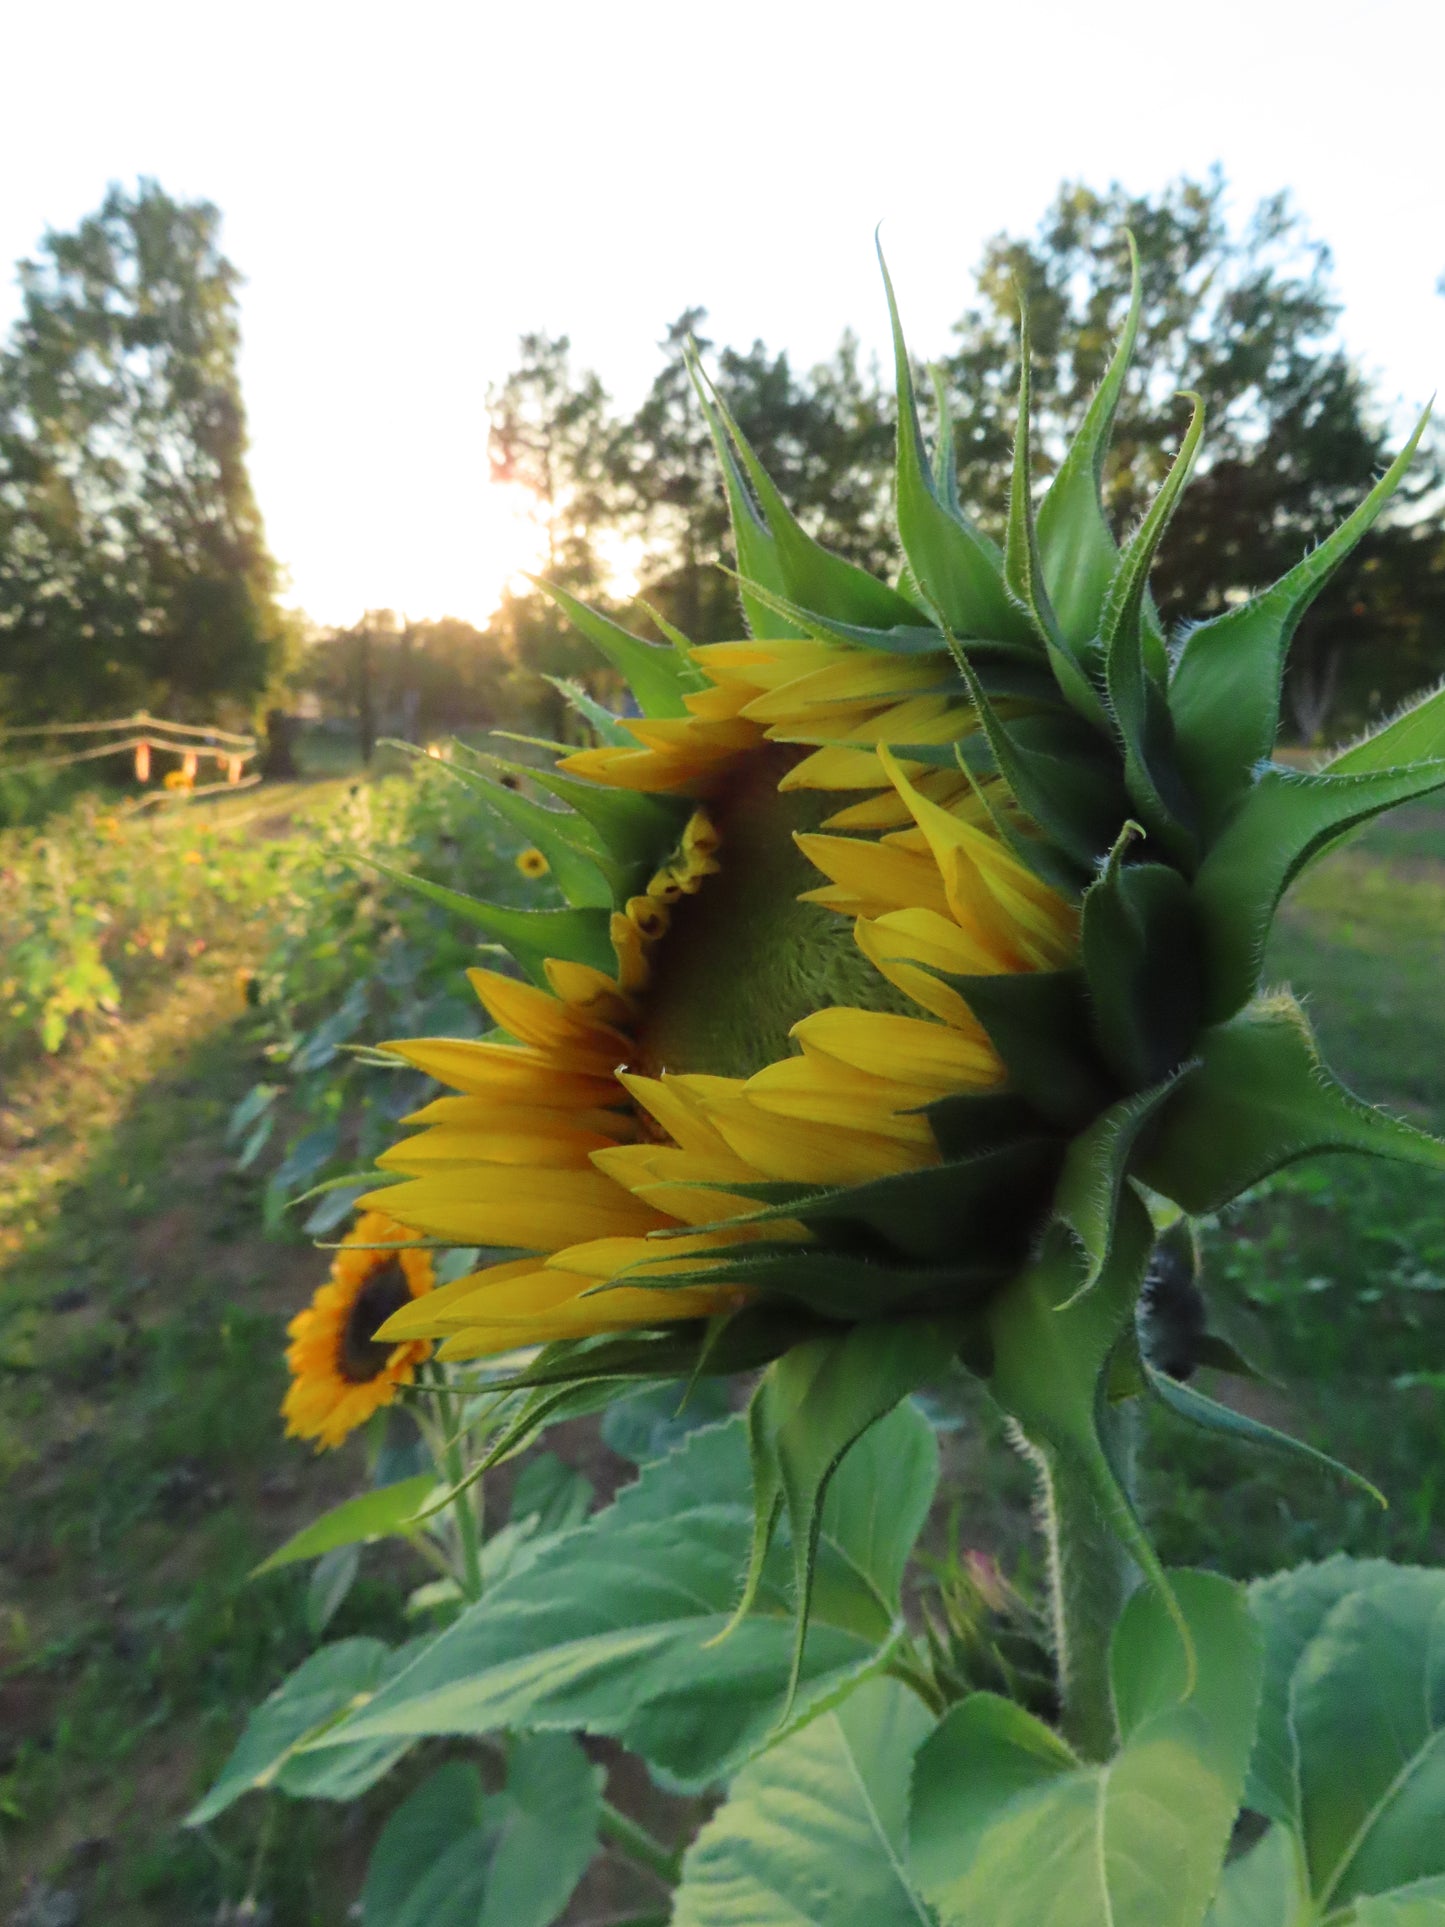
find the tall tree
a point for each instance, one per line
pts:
(133, 563)
(1249, 321)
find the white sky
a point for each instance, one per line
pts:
(408, 187)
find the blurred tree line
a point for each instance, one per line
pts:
(1246, 317)
(134, 567)
(133, 564)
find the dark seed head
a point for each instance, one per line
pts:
(384, 1292)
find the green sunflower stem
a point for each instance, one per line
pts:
(1091, 1575)
(464, 1511)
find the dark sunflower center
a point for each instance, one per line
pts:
(743, 960)
(385, 1291)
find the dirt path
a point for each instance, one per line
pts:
(141, 1457)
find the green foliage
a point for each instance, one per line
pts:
(813, 1830)
(451, 1856)
(617, 1627)
(100, 905)
(1007, 1827)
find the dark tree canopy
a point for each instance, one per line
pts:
(1292, 437)
(133, 564)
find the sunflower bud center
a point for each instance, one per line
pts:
(743, 960)
(384, 1292)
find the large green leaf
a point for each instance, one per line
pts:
(1259, 1888)
(372, 1515)
(1224, 695)
(450, 1857)
(956, 566)
(1023, 566)
(572, 848)
(1076, 545)
(1136, 699)
(1008, 1829)
(1350, 1754)
(317, 1695)
(429, 1867)
(1257, 1098)
(544, 1830)
(1285, 821)
(1367, 1715)
(812, 1834)
(612, 1627)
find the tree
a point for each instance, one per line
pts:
(133, 563)
(1292, 439)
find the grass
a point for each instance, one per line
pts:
(142, 1316)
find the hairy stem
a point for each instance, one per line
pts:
(1091, 1575)
(465, 1512)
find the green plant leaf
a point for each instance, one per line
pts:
(955, 565)
(1008, 1829)
(1096, 1166)
(1039, 1023)
(811, 1407)
(1076, 545)
(545, 1831)
(429, 1866)
(1224, 695)
(658, 677)
(317, 1695)
(530, 935)
(1420, 1905)
(808, 573)
(1367, 1719)
(331, 1580)
(1285, 821)
(1023, 568)
(1416, 735)
(1197, 1408)
(1259, 1888)
(372, 1515)
(1258, 1098)
(572, 849)
(613, 1629)
(812, 1831)
(1140, 943)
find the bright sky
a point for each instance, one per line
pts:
(407, 188)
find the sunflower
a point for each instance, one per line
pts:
(911, 955)
(777, 1010)
(532, 863)
(340, 1372)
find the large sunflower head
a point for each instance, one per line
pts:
(340, 1371)
(913, 940)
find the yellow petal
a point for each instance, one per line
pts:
(882, 878)
(933, 1056)
(536, 1017)
(531, 1210)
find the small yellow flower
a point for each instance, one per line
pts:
(177, 779)
(340, 1375)
(193, 856)
(532, 863)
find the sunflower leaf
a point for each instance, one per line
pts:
(1005, 1819)
(807, 572)
(1038, 1022)
(658, 677)
(1096, 1167)
(1416, 735)
(955, 565)
(1224, 695)
(1197, 1408)
(1023, 567)
(530, 935)
(810, 1409)
(1286, 820)
(1076, 546)
(1140, 942)
(1257, 1099)
(573, 851)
